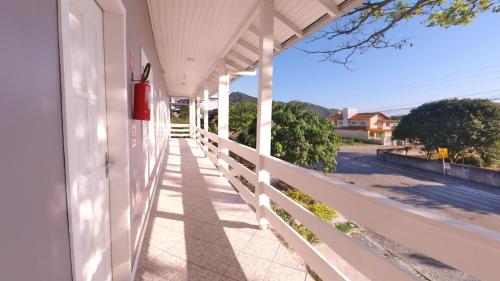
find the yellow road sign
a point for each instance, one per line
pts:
(443, 152)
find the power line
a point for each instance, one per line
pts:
(403, 106)
(461, 96)
(495, 98)
(495, 68)
(446, 84)
(415, 106)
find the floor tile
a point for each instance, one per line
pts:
(278, 272)
(261, 247)
(201, 230)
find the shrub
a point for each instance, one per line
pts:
(298, 196)
(324, 212)
(321, 210)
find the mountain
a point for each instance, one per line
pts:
(318, 109)
(324, 112)
(235, 97)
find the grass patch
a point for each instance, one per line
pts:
(346, 226)
(355, 142)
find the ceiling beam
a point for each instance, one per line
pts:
(248, 46)
(241, 57)
(293, 27)
(255, 31)
(331, 8)
(234, 65)
(249, 18)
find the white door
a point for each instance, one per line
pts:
(85, 121)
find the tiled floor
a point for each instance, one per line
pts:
(200, 228)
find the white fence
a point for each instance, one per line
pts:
(471, 249)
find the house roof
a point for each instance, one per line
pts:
(359, 116)
(363, 128)
(353, 128)
(368, 115)
(336, 116)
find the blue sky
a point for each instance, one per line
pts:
(454, 62)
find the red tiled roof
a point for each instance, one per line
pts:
(353, 128)
(363, 128)
(360, 116)
(368, 115)
(336, 116)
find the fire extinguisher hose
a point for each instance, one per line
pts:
(145, 73)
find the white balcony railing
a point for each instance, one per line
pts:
(180, 130)
(473, 250)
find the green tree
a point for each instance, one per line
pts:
(299, 137)
(367, 26)
(181, 116)
(469, 128)
(241, 115)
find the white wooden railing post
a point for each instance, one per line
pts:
(191, 117)
(197, 119)
(198, 115)
(169, 122)
(223, 114)
(205, 116)
(264, 104)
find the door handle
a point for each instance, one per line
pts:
(107, 163)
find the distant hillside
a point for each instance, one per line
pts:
(241, 97)
(324, 112)
(318, 109)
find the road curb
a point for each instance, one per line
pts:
(401, 170)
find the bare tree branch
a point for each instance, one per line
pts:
(366, 27)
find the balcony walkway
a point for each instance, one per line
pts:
(201, 229)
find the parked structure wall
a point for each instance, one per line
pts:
(34, 237)
(475, 174)
(353, 134)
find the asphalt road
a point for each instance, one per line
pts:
(462, 200)
(466, 201)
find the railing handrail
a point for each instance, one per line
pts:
(250, 154)
(472, 249)
(179, 125)
(469, 248)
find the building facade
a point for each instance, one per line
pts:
(370, 126)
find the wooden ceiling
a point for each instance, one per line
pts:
(196, 38)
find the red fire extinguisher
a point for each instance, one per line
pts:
(141, 94)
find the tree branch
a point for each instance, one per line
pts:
(366, 26)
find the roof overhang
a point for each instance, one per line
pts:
(197, 41)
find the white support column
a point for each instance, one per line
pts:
(223, 113)
(205, 116)
(264, 103)
(198, 115)
(191, 116)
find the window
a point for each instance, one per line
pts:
(353, 123)
(363, 123)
